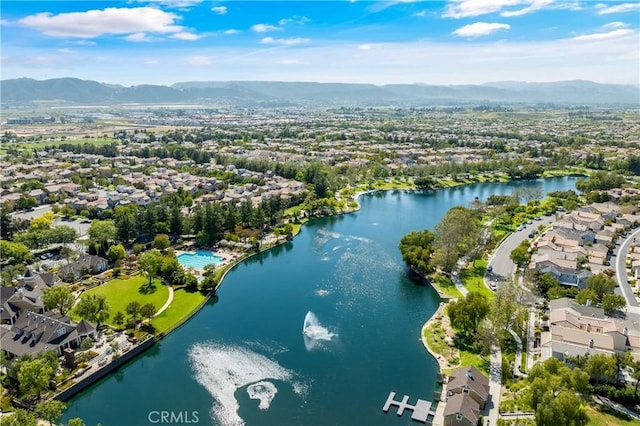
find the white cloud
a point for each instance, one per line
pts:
(220, 10)
(604, 36)
(421, 13)
(178, 4)
(299, 20)
(264, 28)
(614, 25)
(94, 23)
(138, 37)
(186, 36)
(231, 31)
(365, 46)
(284, 41)
(199, 60)
(604, 9)
(82, 42)
(288, 61)
(480, 29)
(535, 5)
(470, 8)
(66, 50)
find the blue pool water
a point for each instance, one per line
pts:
(199, 259)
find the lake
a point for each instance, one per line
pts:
(244, 358)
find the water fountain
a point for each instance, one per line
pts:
(314, 333)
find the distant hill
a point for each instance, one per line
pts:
(25, 91)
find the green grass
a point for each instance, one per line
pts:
(446, 286)
(184, 303)
(469, 357)
(120, 292)
(597, 417)
(42, 144)
(472, 278)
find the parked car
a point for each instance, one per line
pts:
(530, 235)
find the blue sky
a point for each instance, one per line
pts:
(432, 42)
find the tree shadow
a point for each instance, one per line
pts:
(147, 288)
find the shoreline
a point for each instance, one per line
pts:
(235, 262)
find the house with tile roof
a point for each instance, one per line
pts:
(467, 394)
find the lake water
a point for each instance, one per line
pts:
(244, 358)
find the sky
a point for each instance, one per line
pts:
(402, 41)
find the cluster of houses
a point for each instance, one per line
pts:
(26, 327)
(574, 329)
(137, 184)
(579, 243)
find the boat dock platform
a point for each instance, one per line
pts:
(421, 411)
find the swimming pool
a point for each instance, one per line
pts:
(199, 259)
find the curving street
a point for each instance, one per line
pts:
(621, 272)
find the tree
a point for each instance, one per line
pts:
(161, 242)
(20, 418)
(67, 252)
(151, 263)
(118, 318)
(520, 255)
(601, 284)
(547, 281)
(465, 314)
(601, 367)
(14, 253)
(116, 252)
(77, 421)
(50, 410)
(457, 233)
(191, 282)
(417, 248)
(133, 309)
(34, 376)
(586, 295)
(58, 297)
(148, 310)
(612, 303)
(93, 308)
(43, 222)
(102, 232)
(561, 408)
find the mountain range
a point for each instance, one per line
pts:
(70, 91)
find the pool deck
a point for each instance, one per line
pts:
(226, 255)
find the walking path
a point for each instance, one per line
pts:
(518, 361)
(495, 385)
(531, 339)
(167, 303)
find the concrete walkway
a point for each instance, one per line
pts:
(531, 339)
(517, 363)
(495, 386)
(167, 303)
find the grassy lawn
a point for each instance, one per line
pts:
(446, 286)
(120, 292)
(472, 279)
(602, 418)
(183, 304)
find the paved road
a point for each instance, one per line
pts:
(36, 212)
(621, 270)
(501, 264)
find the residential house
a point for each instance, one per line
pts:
(575, 329)
(467, 394)
(39, 332)
(83, 265)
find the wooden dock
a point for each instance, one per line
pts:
(420, 412)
